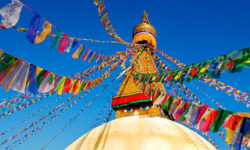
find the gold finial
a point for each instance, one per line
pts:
(145, 26)
(145, 18)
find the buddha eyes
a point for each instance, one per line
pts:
(144, 107)
(128, 110)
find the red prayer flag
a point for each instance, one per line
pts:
(233, 122)
(67, 85)
(202, 111)
(63, 42)
(169, 76)
(193, 71)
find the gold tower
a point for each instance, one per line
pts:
(130, 100)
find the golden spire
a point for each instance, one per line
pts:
(145, 18)
(144, 26)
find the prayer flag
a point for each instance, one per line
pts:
(46, 31)
(7, 65)
(201, 112)
(201, 119)
(233, 122)
(70, 42)
(208, 120)
(222, 115)
(34, 24)
(78, 52)
(61, 85)
(75, 42)
(47, 84)
(10, 14)
(33, 79)
(193, 108)
(244, 130)
(85, 54)
(63, 43)
(20, 82)
(11, 75)
(57, 39)
(67, 85)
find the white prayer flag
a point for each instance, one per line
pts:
(10, 14)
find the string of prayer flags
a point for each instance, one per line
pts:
(62, 41)
(173, 60)
(21, 29)
(193, 70)
(215, 82)
(30, 116)
(106, 21)
(230, 91)
(187, 91)
(81, 111)
(40, 80)
(10, 14)
(9, 101)
(220, 86)
(206, 95)
(25, 105)
(56, 108)
(46, 122)
(208, 119)
(102, 113)
(39, 120)
(86, 73)
(90, 55)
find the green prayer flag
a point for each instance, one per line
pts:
(6, 60)
(40, 77)
(166, 105)
(182, 118)
(219, 120)
(161, 78)
(52, 77)
(57, 39)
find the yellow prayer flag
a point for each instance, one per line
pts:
(38, 70)
(46, 31)
(108, 27)
(60, 89)
(103, 17)
(72, 86)
(204, 68)
(178, 75)
(20, 29)
(96, 2)
(86, 86)
(77, 52)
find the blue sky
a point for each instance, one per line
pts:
(190, 31)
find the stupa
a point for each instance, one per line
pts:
(139, 124)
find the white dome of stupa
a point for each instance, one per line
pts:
(141, 133)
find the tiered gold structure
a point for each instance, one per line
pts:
(144, 34)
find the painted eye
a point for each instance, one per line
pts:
(128, 110)
(144, 107)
